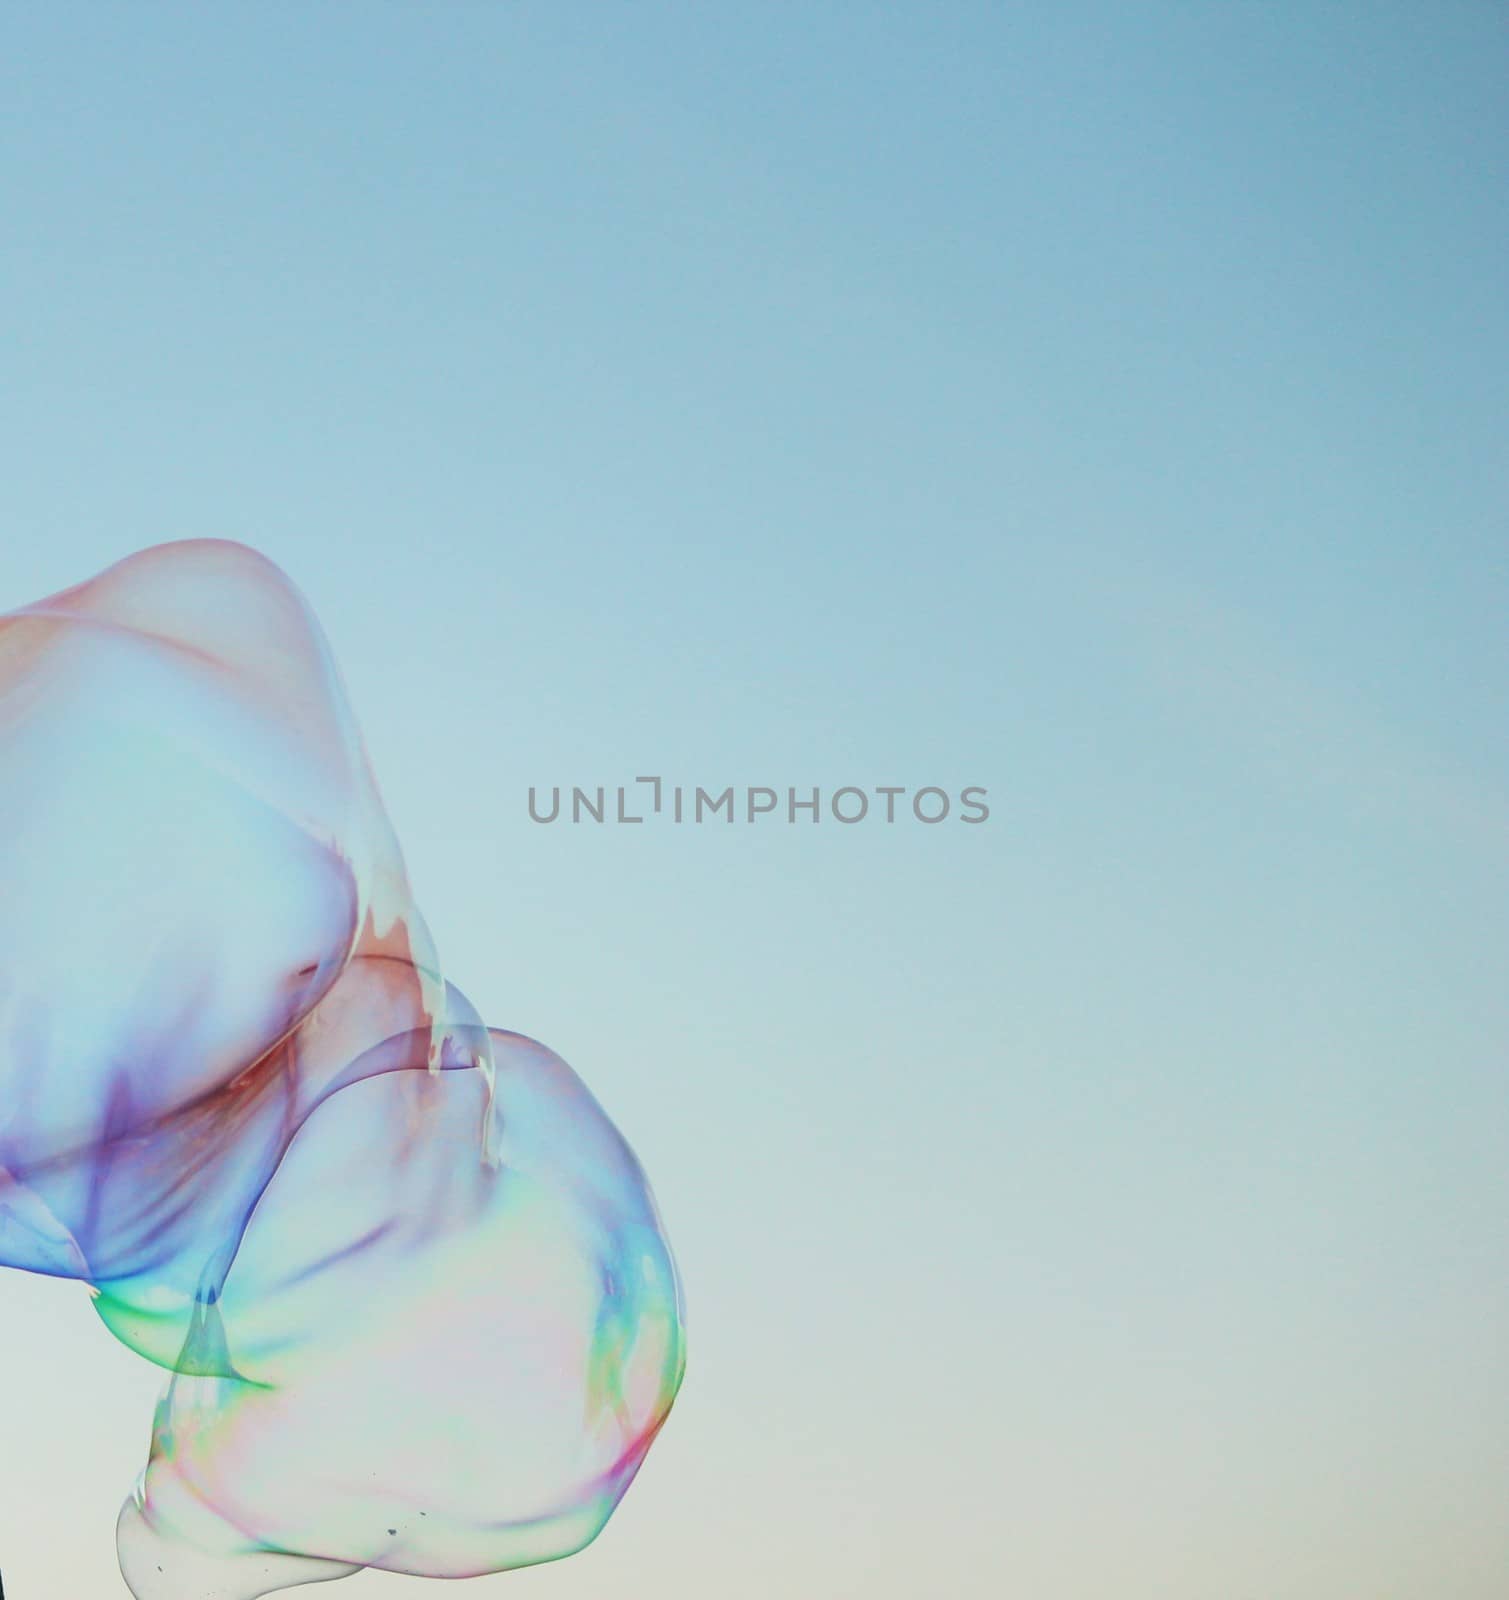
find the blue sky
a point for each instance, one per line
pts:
(1103, 404)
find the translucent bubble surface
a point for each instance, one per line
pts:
(409, 1282)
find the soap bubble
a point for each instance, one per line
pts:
(416, 1303)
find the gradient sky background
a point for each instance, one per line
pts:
(1104, 404)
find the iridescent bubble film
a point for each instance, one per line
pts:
(409, 1283)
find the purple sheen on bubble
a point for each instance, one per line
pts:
(410, 1284)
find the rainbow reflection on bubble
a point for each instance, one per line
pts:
(409, 1281)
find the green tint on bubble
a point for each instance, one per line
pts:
(416, 1303)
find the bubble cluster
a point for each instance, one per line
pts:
(416, 1304)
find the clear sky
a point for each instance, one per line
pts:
(1101, 403)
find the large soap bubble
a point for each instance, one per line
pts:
(415, 1299)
